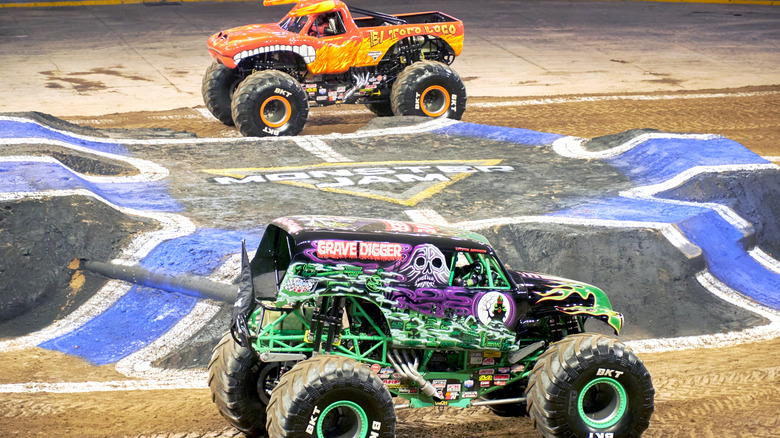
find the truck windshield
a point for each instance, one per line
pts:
(293, 24)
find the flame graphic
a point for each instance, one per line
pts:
(332, 58)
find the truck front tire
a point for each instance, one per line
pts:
(270, 103)
(590, 385)
(219, 83)
(333, 397)
(236, 387)
(429, 88)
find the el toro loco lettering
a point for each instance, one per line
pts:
(341, 249)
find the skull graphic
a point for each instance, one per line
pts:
(426, 267)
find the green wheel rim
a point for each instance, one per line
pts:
(343, 419)
(602, 403)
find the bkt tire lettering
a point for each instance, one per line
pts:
(284, 93)
(313, 421)
(271, 131)
(601, 435)
(608, 372)
(375, 427)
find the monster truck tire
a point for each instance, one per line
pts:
(234, 373)
(218, 86)
(428, 88)
(270, 103)
(381, 109)
(590, 385)
(333, 397)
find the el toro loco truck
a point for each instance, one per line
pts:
(267, 75)
(336, 317)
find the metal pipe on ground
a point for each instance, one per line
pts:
(183, 283)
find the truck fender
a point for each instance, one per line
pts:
(605, 314)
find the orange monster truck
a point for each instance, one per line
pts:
(267, 75)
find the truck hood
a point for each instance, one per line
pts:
(240, 42)
(568, 296)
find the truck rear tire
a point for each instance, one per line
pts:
(219, 83)
(590, 385)
(270, 103)
(429, 88)
(234, 374)
(331, 396)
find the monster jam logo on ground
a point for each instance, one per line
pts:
(388, 181)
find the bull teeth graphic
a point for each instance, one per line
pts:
(308, 53)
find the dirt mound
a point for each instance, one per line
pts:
(38, 240)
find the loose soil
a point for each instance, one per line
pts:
(730, 391)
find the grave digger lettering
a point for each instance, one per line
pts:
(340, 249)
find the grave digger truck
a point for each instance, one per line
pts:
(336, 317)
(265, 76)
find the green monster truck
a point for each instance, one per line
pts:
(265, 76)
(337, 317)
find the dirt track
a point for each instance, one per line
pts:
(731, 392)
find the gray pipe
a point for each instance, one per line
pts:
(183, 283)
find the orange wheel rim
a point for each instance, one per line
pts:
(276, 111)
(435, 101)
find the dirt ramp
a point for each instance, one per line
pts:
(646, 278)
(38, 240)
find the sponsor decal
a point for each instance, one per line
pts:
(300, 285)
(452, 396)
(488, 361)
(468, 383)
(441, 403)
(453, 387)
(516, 368)
(499, 382)
(439, 383)
(461, 249)
(495, 354)
(485, 377)
(485, 383)
(501, 377)
(487, 371)
(344, 249)
(504, 370)
(375, 54)
(391, 382)
(470, 394)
